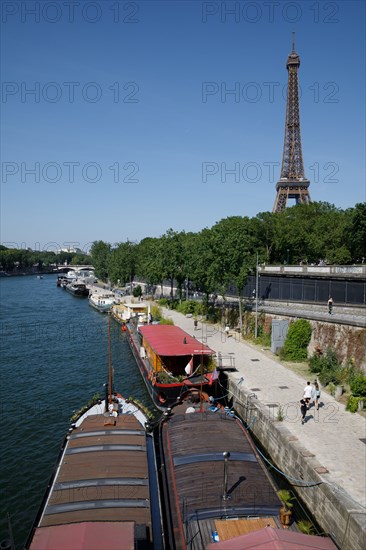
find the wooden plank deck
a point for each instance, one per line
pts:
(234, 528)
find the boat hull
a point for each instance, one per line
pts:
(75, 291)
(100, 306)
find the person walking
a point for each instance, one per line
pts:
(308, 390)
(303, 409)
(330, 305)
(316, 395)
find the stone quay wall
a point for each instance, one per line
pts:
(330, 505)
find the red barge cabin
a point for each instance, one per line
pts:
(170, 361)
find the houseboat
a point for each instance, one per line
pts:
(77, 289)
(217, 491)
(123, 312)
(101, 302)
(60, 279)
(104, 491)
(170, 361)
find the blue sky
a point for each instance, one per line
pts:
(131, 127)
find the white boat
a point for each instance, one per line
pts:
(71, 276)
(101, 302)
(123, 312)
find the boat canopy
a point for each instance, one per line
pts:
(169, 340)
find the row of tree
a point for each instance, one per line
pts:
(13, 260)
(226, 253)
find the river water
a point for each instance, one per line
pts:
(54, 358)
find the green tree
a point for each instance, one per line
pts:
(202, 261)
(100, 252)
(355, 232)
(149, 265)
(121, 262)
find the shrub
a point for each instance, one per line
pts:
(156, 312)
(315, 363)
(163, 302)
(165, 321)
(297, 340)
(328, 367)
(352, 403)
(306, 527)
(137, 291)
(358, 385)
(186, 307)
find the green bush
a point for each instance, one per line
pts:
(297, 341)
(186, 307)
(165, 321)
(137, 291)
(352, 403)
(315, 363)
(306, 527)
(327, 365)
(358, 385)
(156, 312)
(163, 302)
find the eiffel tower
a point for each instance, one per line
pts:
(292, 184)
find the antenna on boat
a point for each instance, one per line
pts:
(226, 456)
(110, 373)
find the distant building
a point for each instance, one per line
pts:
(70, 250)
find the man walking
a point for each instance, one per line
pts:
(308, 390)
(303, 409)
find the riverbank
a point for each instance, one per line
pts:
(328, 451)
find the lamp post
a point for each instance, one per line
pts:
(256, 299)
(226, 456)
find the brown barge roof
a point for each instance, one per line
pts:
(102, 477)
(193, 445)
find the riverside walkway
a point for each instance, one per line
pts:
(336, 437)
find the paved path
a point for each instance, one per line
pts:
(332, 434)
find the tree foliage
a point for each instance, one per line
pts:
(225, 254)
(297, 341)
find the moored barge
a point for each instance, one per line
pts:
(170, 361)
(104, 492)
(77, 289)
(217, 491)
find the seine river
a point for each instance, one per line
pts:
(54, 358)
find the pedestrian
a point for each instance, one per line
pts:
(308, 390)
(316, 395)
(330, 305)
(303, 409)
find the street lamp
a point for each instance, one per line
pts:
(256, 299)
